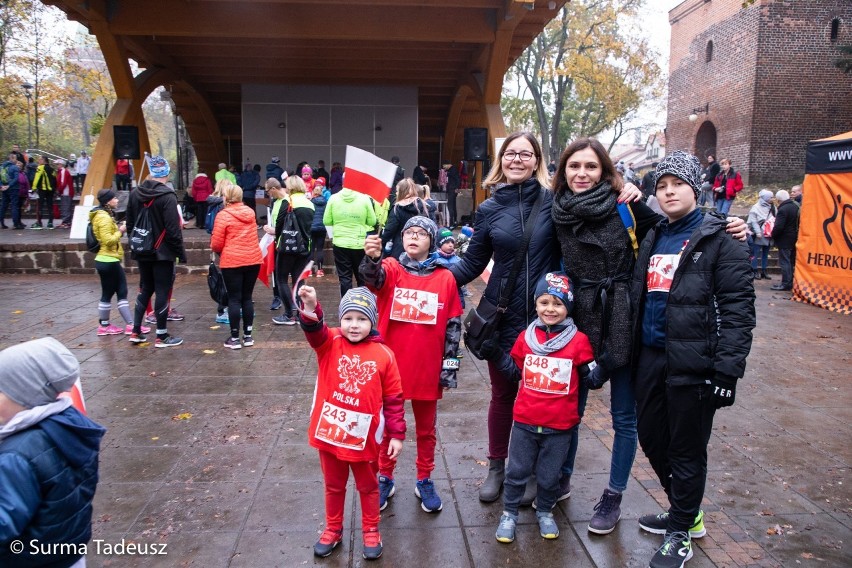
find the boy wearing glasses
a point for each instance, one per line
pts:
(420, 320)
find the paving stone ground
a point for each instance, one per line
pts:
(235, 483)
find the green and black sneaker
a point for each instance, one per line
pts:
(658, 524)
(675, 551)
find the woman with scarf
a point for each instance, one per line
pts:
(598, 251)
(758, 215)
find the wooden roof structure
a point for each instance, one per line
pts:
(454, 51)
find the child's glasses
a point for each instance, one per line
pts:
(416, 235)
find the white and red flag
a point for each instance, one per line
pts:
(78, 401)
(367, 173)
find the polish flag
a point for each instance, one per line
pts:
(297, 301)
(267, 264)
(367, 173)
(76, 396)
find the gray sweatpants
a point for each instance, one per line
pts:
(540, 450)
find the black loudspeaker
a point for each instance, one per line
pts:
(475, 144)
(126, 142)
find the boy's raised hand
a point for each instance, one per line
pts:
(373, 246)
(394, 448)
(308, 296)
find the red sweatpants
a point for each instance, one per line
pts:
(336, 475)
(425, 415)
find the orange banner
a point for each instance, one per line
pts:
(823, 273)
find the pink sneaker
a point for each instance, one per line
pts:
(128, 329)
(109, 330)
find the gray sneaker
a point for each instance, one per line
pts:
(607, 513)
(506, 528)
(283, 320)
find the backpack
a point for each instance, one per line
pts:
(142, 239)
(92, 242)
(211, 216)
(291, 240)
(4, 176)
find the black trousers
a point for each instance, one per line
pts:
(674, 424)
(239, 282)
(288, 266)
(787, 261)
(200, 214)
(155, 277)
(346, 262)
(451, 208)
(318, 248)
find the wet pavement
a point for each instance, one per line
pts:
(207, 453)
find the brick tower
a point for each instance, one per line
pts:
(755, 84)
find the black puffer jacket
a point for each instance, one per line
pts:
(498, 231)
(710, 309)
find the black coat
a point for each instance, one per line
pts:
(498, 232)
(710, 309)
(397, 218)
(600, 255)
(785, 233)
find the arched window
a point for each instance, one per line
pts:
(835, 29)
(708, 54)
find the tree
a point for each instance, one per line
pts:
(582, 75)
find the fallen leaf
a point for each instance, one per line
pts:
(232, 438)
(774, 530)
(807, 555)
(155, 438)
(215, 326)
(152, 374)
(18, 312)
(209, 351)
(766, 513)
(481, 462)
(182, 416)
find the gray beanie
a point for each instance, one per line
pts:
(34, 373)
(427, 225)
(682, 165)
(360, 300)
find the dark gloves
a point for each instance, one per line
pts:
(723, 388)
(593, 375)
(448, 373)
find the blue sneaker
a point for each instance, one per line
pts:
(547, 525)
(386, 491)
(506, 528)
(223, 318)
(429, 500)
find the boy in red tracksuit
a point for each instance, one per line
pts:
(550, 357)
(357, 400)
(420, 318)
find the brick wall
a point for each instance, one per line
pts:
(770, 85)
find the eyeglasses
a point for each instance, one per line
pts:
(524, 156)
(416, 235)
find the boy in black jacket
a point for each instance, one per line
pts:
(694, 298)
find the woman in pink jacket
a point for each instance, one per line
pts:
(201, 189)
(235, 239)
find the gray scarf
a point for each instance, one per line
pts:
(573, 209)
(553, 344)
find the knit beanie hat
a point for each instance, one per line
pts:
(445, 235)
(682, 165)
(559, 285)
(321, 180)
(35, 372)
(427, 225)
(159, 166)
(306, 170)
(276, 159)
(360, 300)
(105, 196)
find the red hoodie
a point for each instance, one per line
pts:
(201, 188)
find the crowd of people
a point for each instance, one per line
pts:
(603, 290)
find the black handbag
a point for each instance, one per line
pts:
(216, 283)
(481, 326)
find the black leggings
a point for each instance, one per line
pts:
(113, 280)
(240, 283)
(287, 268)
(45, 206)
(156, 278)
(317, 248)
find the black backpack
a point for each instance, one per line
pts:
(92, 242)
(292, 241)
(142, 240)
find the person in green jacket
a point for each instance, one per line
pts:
(223, 173)
(108, 265)
(350, 215)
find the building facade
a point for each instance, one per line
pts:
(756, 84)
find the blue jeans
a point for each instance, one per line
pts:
(723, 206)
(622, 407)
(762, 252)
(10, 200)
